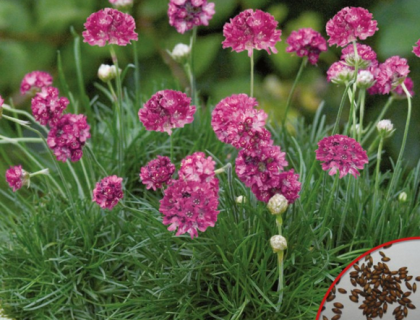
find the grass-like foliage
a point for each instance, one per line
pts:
(63, 257)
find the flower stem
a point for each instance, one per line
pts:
(223, 169)
(378, 165)
(340, 109)
(43, 171)
(292, 91)
(136, 75)
(330, 199)
(86, 175)
(361, 113)
(280, 263)
(192, 79)
(5, 140)
(251, 58)
(379, 118)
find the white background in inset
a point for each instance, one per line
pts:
(402, 254)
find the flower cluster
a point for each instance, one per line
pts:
(16, 177)
(251, 30)
(399, 93)
(341, 153)
(365, 58)
(109, 26)
(416, 49)
(35, 81)
(108, 192)
(157, 172)
(68, 136)
(186, 14)
(350, 24)
(47, 106)
(306, 42)
(190, 203)
(165, 110)
(236, 121)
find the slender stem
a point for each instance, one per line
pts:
(361, 113)
(251, 58)
(76, 178)
(43, 171)
(331, 197)
(223, 169)
(340, 109)
(192, 78)
(379, 118)
(292, 91)
(85, 174)
(15, 120)
(5, 140)
(22, 112)
(378, 165)
(344, 214)
(96, 160)
(136, 75)
(280, 262)
(172, 146)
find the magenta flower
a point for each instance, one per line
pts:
(399, 92)
(416, 50)
(186, 14)
(251, 30)
(108, 192)
(16, 177)
(306, 42)
(350, 24)
(286, 183)
(190, 205)
(367, 57)
(35, 81)
(68, 136)
(157, 172)
(109, 26)
(197, 167)
(236, 121)
(165, 110)
(341, 153)
(340, 73)
(260, 167)
(47, 106)
(389, 75)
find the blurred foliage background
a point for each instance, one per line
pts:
(32, 32)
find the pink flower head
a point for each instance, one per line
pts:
(186, 14)
(47, 106)
(108, 192)
(251, 30)
(157, 172)
(190, 205)
(341, 153)
(350, 24)
(367, 57)
(399, 92)
(416, 50)
(236, 121)
(68, 136)
(35, 81)
(286, 183)
(340, 73)
(165, 110)
(306, 42)
(389, 75)
(109, 25)
(259, 167)
(197, 167)
(16, 177)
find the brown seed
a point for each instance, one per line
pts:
(411, 306)
(382, 254)
(418, 278)
(388, 246)
(333, 290)
(408, 278)
(341, 290)
(336, 317)
(331, 297)
(338, 305)
(414, 287)
(386, 259)
(355, 266)
(337, 311)
(324, 318)
(385, 307)
(354, 299)
(353, 282)
(408, 285)
(407, 294)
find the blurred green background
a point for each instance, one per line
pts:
(32, 32)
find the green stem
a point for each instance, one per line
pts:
(376, 191)
(330, 199)
(340, 109)
(292, 91)
(6, 140)
(223, 169)
(136, 75)
(22, 112)
(251, 58)
(96, 160)
(15, 120)
(192, 78)
(172, 146)
(43, 171)
(379, 118)
(280, 262)
(86, 175)
(361, 113)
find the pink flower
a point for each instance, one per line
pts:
(47, 107)
(286, 183)
(108, 192)
(186, 14)
(259, 167)
(399, 92)
(350, 24)
(109, 25)
(165, 110)
(157, 172)
(367, 57)
(389, 75)
(35, 81)
(251, 30)
(190, 205)
(341, 153)
(16, 177)
(236, 121)
(340, 73)
(416, 50)
(306, 42)
(197, 167)
(68, 136)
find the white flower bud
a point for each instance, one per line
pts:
(277, 204)
(385, 126)
(122, 4)
(355, 129)
(278, 243)
(240, 199)
(107, 72)
(402, 197)
(181, 52)
(365, 79)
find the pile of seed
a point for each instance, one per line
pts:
(380, 288)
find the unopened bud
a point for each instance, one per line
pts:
(180, 53)
(385, 127)
(240, 199)
(107, 73)
(122, 4)
(277, 204)
(278, 243)
(402, 197)
(365, 79)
